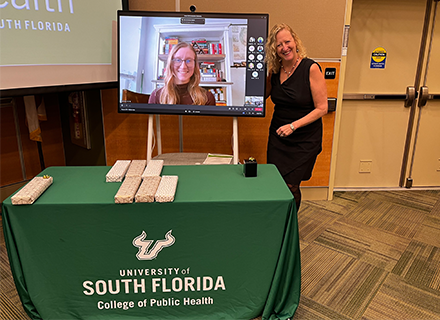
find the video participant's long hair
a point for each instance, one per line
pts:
(169, 93)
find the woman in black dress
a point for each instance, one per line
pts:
(297, 88)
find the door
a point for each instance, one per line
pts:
(387, 139)
(424, 160)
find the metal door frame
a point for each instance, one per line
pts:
(411, 137)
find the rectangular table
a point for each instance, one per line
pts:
(226, 248)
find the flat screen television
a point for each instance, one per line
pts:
(50, 46)
(230, 57)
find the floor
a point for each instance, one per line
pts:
(371, 255)
(364, 255)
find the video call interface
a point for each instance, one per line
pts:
(230, 52)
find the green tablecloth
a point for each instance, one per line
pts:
(235, 253)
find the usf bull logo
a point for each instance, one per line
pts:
(144, 245)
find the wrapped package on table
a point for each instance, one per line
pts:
(117, 172)
(167, 189)
(148, 189)
(30, 192)
(154, 168)
(127, 190)
(136, 168)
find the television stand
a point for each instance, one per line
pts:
(159, 139)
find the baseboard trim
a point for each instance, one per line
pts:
(385, 188)
(314, 193)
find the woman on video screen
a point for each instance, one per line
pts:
(182, 79)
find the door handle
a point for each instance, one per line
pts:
(423, 96)
(410, 96)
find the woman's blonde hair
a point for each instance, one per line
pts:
(169, 93)
(272, 59)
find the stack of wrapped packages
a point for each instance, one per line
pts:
(142, 182)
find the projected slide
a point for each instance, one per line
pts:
(57, 42)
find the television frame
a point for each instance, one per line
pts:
(249, 102)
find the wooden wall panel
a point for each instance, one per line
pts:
(52, 145)
(10, 160)
(207, 134)
(253, 134)
(321, 172)
(125, 135)
(51, 132)
(30, 149)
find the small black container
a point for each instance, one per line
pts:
(250, 168)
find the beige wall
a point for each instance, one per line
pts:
(318, 23)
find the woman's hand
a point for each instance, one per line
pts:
(285, 130)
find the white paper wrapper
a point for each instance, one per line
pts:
(148, 189)
(167, 189)
(154, 168)
(117, 172)
(127, 190)
(30, 192)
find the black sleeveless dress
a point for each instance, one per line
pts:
(294, 155)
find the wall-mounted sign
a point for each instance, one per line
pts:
(378, 58)
(330, 73)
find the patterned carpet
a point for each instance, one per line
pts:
(371, 255)
(364, 255)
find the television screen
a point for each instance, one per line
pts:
(192, 63)
(46, 44)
